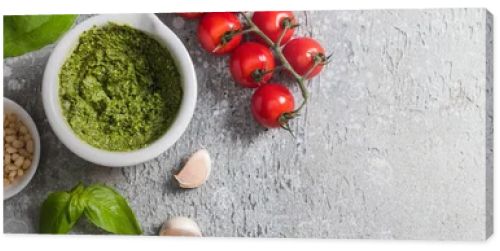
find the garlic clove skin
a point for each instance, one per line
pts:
(196, 170)
(180, 226)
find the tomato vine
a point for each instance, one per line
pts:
(302, 57)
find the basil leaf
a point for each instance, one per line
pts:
(54, 217)
(76, 203)
(108, 210)
(61, 210)
(23, 34)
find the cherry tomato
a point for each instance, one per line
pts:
(251, 64)
(269, 102)
(218, 32)
(190, 15)
(272, 23)
(303, 54)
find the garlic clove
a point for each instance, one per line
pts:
(180, 226)
(196, 170)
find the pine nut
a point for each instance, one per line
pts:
(12, 117)
(11, 167)
(29, 146)
(10, 138)
(23, 152)
(26, 164)
(19, 162)
(27, 137)
(18, 144)
(9, 131)
(23, 129)
(12, 126)
(6, 159)
(14, 156)
(11, 150)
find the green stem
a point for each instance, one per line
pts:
(284, 62)
(311, 69)
(282, 35)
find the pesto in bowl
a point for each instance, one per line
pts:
(120, 89)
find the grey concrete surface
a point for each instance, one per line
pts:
(396, 142)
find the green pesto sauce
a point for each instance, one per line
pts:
(120, 89)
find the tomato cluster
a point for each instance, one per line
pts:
(253, 60)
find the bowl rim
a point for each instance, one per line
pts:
(11, 190)
(151, 25)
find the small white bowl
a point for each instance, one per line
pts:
(19, 184)
(151, 25)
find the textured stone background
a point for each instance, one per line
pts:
(395, 143)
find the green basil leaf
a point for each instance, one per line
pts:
(77, 203)
(23, 34)
(108, 210)
(54, 217)
(61, 210)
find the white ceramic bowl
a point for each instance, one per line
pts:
(19, 184)
(150, 24)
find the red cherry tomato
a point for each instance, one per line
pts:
(302, 53)
(218, 32)
(272, 23)
(190, 15)
(251, 64)
(269, 102)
